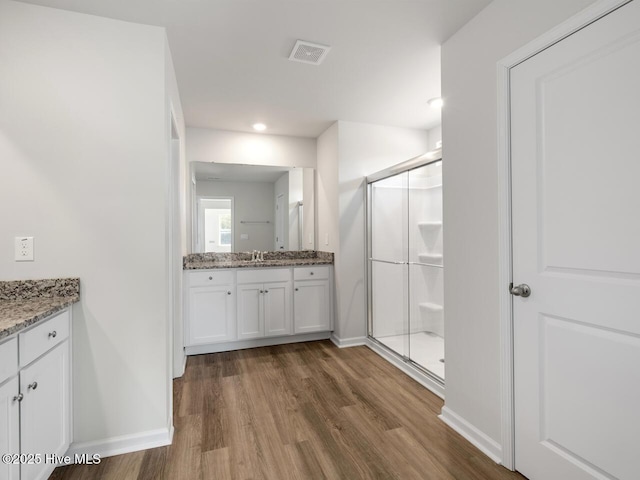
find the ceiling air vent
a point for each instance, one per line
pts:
(307, 52)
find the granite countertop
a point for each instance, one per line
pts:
(206, 261)
(25, 302)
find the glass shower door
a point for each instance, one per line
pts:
(426, 313)
(388, 214)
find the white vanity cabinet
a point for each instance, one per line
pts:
(235, 308)
(35, 401)
(264, 303)
(10, 431)
(312, 299)
(210, 307)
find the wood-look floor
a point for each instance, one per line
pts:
(300, 411)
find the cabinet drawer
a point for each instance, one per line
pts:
(8, 359)
(38, 340)
(210, 277)
(311, 273)
(264, 275)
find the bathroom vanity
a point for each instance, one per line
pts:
(232, 302)
(35, 375)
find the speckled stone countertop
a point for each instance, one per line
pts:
(205, 261)
(25, 302)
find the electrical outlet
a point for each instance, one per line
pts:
(24, 249)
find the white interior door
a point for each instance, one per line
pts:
(576, 242)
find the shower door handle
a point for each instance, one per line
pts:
(391, 262)
(522, 290)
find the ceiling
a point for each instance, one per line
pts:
(231, 58)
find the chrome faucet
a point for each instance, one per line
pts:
(257, 256)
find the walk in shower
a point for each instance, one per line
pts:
(405, 263)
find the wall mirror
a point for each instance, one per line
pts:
(241, 208)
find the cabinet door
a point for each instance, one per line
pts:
(10, 427)
(44, 410)
(250, 311)
(277, 309)
(311, 304)
(211, 315)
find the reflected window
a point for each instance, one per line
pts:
(224, 222)
(216, 224)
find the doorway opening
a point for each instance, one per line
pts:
(216, 218)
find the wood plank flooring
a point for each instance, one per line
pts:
(300, 411)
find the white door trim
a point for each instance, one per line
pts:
(575, 23)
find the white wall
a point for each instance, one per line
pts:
(470, 198)
(327, 191)
(220, 146)
(84, 152)
(251, 201)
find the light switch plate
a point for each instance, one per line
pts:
(24, 249)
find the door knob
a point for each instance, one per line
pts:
(522, 290)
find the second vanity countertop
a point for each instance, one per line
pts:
(26, 302)
(205, 261)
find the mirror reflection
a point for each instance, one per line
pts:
(241, 208)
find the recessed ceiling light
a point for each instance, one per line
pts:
(436, 102)
(260, 127)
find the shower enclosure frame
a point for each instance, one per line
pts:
(405, 363)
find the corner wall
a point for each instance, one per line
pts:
(469, 120)
(327, 213)
(84, 153)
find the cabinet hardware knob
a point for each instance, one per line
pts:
(229, 292)
(210, 278)
(261, 291)
(32, 386)
(18, 397)
(296, 289)
(53, 334)
(266, 291)
(310, 273)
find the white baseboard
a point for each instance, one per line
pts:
(348, 342)
(407, 368)
(123, 443)
(179, 370)
(485, 444)
(258, 342)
